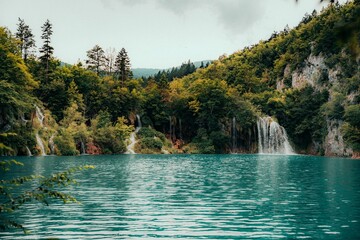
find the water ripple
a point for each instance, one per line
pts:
(200, 197)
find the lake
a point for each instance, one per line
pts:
(198, 197)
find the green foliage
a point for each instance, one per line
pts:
(302, 117)
(201, 144)
(123, 66)
(96, 59)
(110, 138)
(45, 189)
(195, 107)
(166, 76)
(352, 136)
(150, 141)
(351, 128)
(334, 109)
(352, 115)
(147, 132)
(65, 143)
(26, 38)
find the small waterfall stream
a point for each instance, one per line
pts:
(130, 147)
(83, 150)
(40, 117)
(52, 144)
(40, 144)
(28, 151)
(272, 137)
(139, 126)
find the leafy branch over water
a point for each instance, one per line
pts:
(11, 199)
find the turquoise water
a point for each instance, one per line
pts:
(199, 197)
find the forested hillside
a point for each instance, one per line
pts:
(307, 79)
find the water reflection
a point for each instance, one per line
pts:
(201, 196)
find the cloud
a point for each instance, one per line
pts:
(238, 15)
(235, 16)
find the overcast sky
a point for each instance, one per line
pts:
(155, 33)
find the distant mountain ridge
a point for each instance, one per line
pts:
(147, 72)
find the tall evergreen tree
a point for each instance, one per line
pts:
(123, 66)
(26, 38)
(96, 59)
(47, 50)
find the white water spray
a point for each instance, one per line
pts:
(28, 151)
(52, 144)
(272, 137)
(83, 150)
(40, 144)
(40, 116)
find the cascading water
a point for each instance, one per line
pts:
(272, 137)
(28, 151)
(23, 118)
(40, 144)
(130, 147)
(83, 150)
(139, 126)
(40, 116)
(52, 144)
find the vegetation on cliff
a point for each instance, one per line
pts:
(307, 78)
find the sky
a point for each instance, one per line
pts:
(155, 33)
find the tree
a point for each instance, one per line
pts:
(75, 96)
(110, 57)
(163, 82)
(26, 38)
(122, 65)
(46, 188)
(96, 59)
(16, 83)
(351, 127)
(47, 50)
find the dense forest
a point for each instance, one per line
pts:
(307, 79)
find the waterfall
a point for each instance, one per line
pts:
(83, 150)
(23, 118)
(39, 115)
(139, 125)
(272, 137)
(51, 144)
(28, 151)
(40, 144)
(233, 134)
(132, 139)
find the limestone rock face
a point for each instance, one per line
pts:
(334, 144)
(310, 74)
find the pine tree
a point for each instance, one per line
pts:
(96, 59)
(123, 66)
(163, 81)
(26, 38)
(46, 50)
